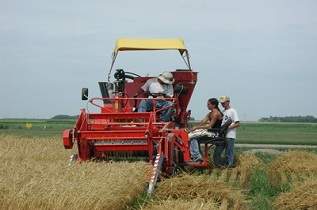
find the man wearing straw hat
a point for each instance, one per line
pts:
(229, 113)
(159, 87)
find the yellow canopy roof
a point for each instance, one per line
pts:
(150, 44)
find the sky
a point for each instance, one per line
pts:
(263, 54)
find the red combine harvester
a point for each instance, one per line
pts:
(119, 131)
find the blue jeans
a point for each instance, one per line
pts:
(147, 106)
(194, 149)
(229, 153)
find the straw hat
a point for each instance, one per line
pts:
(166, 77)
(223, 99)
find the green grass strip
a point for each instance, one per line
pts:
(261, 193)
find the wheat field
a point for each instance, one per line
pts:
(34, 174)
(303, 195)
(292, 166)
(206, 190)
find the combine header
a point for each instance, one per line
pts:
(119, 131)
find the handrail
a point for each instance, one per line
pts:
(118, 99)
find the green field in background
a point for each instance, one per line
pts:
(278, 133)
(254, 133)
(43, 128)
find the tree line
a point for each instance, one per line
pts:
(64, 117)
(308, 119)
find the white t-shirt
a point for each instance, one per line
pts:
(233, 115)
(153, 86)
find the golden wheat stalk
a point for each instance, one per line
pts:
(292, 166)
(303, 195)
(34, 174)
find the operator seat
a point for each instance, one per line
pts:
(219, 137)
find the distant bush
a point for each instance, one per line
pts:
(4, 126)
(308, 119)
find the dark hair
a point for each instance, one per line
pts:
(215, 102)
